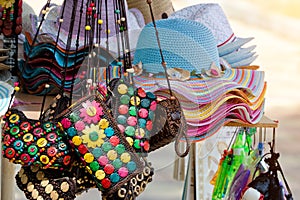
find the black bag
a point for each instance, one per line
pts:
(268, 183)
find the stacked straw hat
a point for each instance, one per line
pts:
(230, 47)
(47, 56)
(211, 95)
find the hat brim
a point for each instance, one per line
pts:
(6, 91)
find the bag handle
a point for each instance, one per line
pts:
(163, 62)
(274, 159)
(164, 65)
(289, 196)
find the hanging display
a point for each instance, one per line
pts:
(117, 101)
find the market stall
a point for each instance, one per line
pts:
(182, 79)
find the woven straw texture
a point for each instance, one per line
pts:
(185, 44)
(212, 16)
(159, 7)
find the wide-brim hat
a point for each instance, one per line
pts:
(206, 90)
(185, 44)
(6, 91)
(198, 133)
(209, 103)
(213, 16)
(51, 24)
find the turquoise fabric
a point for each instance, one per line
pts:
(185, 44)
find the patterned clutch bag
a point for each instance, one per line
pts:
(134, 110)
(32, 142)
(94, 134)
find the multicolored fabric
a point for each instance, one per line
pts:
(207, 90)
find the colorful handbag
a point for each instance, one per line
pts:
(170, 117)
(33, 142)
(160, 122)
(134, 187)
(133, 109)
(37, 183)
(94, 134)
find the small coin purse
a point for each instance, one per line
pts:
(32, 142)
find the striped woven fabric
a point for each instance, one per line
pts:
(203, 91)
(209, 103)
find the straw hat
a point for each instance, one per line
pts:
(28, 18)
(51, 24)
(159, 7)
(229, 46)
(185, 44)
(212, 16)
(5, 95)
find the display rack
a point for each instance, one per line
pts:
(190, 189)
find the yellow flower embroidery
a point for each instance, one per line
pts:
(93, 136)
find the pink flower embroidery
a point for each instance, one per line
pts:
(91, 112)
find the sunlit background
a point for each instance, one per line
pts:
(275, 25)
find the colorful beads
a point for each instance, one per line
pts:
(122, 89)
(123, 172)
(77, 140)
(32, 142)
(100, 174)
(88, 157)
(135, 109)
(100, 21)
(88, 27)
(99, 144)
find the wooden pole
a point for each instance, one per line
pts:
(7, 174)
(7, 180)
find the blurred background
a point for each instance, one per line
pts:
(275, 26)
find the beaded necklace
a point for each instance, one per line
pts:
(10, 17)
